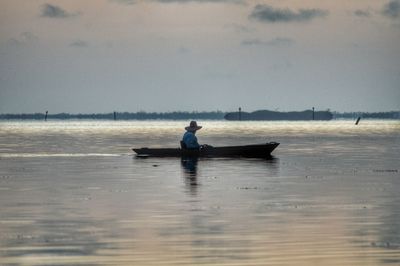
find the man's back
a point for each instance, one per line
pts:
(190, 140)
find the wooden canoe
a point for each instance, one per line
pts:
(249, 151)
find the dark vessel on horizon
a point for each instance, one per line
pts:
(275, 115)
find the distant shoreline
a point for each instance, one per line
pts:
(260, 115)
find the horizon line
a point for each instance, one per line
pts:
(196, 112)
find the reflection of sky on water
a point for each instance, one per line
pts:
(329, 195)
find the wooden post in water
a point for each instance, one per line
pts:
(45, 116)
(115, 116)
(358, 120)
(240, 114)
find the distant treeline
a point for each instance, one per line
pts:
(379, 115)
(274, 115)
(217, 115)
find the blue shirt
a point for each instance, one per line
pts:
(190, 140)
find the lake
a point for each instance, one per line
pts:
(73, 193)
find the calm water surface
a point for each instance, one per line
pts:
(72, 193)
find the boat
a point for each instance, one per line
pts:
(249, 151)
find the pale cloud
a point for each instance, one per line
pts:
(13, 42)
(239, 28)
(183, 50)
(392, 9)
(79, 44)
(362, 13)
(269, 14)
(25, 38)
(124, 2)
(279, 41)
(53, 11)
(29, 37)
(131, 2)
(201, 1)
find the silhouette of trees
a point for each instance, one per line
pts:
(120, 116)
(214, 115)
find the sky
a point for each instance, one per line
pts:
(96, 56)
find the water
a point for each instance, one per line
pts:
(72, 193)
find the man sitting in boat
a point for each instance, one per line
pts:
(189, 140)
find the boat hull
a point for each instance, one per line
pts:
(249, 151)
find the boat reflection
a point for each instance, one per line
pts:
(189, 166)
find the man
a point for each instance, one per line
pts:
(189, 139)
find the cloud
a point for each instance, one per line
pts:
(183, 50)
(277, 42)
(238, 28)
(13, 42)
(52, 11)
(131, 2)
(124, 2)
(201, 1)
(29, 37)
(362, 13)
(23, 39)
(79, 44)
(392, 9)
(251, 42)
(269, 14)
(281, 42)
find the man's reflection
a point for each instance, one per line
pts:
(189, 165)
